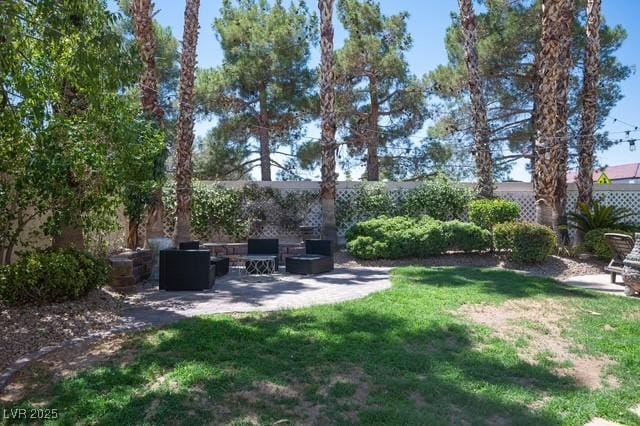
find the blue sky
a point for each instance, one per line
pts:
(427, 24)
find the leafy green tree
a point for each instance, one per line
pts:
(379, 102)
(64, 69)
(509, 34)
(265, 90)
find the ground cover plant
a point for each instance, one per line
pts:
(442, 346)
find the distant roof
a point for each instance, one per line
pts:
(621, 171)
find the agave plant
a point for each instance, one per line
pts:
(597, 215)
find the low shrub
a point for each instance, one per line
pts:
(466, 237)
(397, 237)
(524, 242)
(594, 242)
(439, 198)
(51, 276)
(487, 213)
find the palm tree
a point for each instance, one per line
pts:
(551, 123)
(142, 12)
(484, 162)
(328, 141)
(184, 188)
(562, 129)
(589, 104)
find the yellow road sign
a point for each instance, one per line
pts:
(604, 179)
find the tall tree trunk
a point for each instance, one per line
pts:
(265, 150)
(591, 80)
(551, 95)
(562, 131)
(184, 169)
(373, 162)
(328, 138)
(484, 162)
(142, 11)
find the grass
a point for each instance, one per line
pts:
(398, 357)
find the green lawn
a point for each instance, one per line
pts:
(403, 356)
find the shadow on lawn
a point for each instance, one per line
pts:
(206, 370)
(496, 281)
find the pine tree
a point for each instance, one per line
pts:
(380, 103)
(265, 90)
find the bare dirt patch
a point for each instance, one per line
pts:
(536, 327)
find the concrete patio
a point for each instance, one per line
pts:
(233, 294)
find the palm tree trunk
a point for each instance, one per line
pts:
(591, 80)
(552, 94)
(142, 11)
(484, 162)
(562, 131)
(328, 138)
(184, 169)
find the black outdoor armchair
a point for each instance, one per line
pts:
(318, 258)
(189, 245)
(263, 247)
(186, 270)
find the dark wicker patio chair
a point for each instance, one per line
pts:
(263, 247)
(186, 270)
(189, 245)
(620, 245)
(318, 258)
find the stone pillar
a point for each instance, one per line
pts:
(155, 245)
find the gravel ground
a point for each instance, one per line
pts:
(555, 266)
(27, 329)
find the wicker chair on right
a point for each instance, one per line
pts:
(318, 258)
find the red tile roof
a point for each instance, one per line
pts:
(622, 171)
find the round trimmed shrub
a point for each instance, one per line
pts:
(397, 237)
(524, 242)
(51, 276)
(594, 242)
(489, 212)
(438, 198)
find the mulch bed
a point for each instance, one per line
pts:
(25, 329)
(555, 267)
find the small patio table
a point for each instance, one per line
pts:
(258, 265)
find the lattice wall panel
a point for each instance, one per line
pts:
(523, 196)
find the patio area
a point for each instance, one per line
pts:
(233, 294)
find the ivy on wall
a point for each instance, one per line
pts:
(221, 213)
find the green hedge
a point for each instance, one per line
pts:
(438, 198)
(487, 213)
(51, 276)
(594, 242)
(524, 242)
(401, 236)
